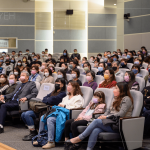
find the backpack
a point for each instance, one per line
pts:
(41, 138)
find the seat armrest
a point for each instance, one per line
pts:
(74, 113)
(77, 109)
(96, 115)
(24, 106)
(35, 99)
(131, 132)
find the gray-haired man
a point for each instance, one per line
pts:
(23, 92)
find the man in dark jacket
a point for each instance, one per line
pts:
(130, 57)
(23, 92)
(75, 54)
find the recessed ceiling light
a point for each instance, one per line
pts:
(114, 4)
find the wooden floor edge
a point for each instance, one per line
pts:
(5, 147)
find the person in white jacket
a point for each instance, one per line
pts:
(73, 100)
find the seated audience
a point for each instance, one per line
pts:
(4, 84)
(73, 100)
(130, 57)
(73, 65)
(23, 92)
(35, 74)
(62, 74)
(2, 69)
(52, 68)
(65, 56)
(101, 69)
(123, 64)
(90, 76)
(8, 67)
(75, 54)
(109, 62)
(136, 69)
(27, 69)
(36, 61)
(110, 80)
(42, 68)
(75, 75)
(86, 67)
(64, 66)
(115, 67)
(147, 78)
(25, 62)
(50, 59)
(54, 98)
(96, 105)
(121, 106)
(47, 76)
(13, 61)
(19, 65)
(129, 78)
(139, 62)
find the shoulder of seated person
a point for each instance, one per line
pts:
(126, 99)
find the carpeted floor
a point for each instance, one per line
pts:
(13, 138)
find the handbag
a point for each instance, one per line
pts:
(37, 106)
(49, 111)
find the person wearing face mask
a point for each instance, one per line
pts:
(122, 106)
(109, 53)
(75, 75)
(3, 54)
(109, 62)
(36, 61)
(25, 61)
(130, 57)
(47, 76)
(8, 67)
(115, 57)
(99, 56)
(139, 62)
(19, 65)
(129, 78)
(62, 74)
(147, 78)
(50, 58)
(42, 68)
(65, 56)
(12, 85)
(101, 69)
(96, 64)
(115, 67)
(123, 64)
(13, 61)
(73, 100)
(110, 80)
(64, 66)
(2, 60)
(13, 53)
(96, 105)
(3, 83)
(75, 54)
(7, 57)
(136, 70)
(23, 92)
(90, 76)
(54, 98)
(73, 65)
(27, 69)
(16, 71)
(86, 67)
(35, 74)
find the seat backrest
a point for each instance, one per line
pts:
(82, 78)
(46, 88)
(145, 65)
(141, 82)
(108, 96)
(98, 79)
(119, 79)
(95, 70)
(81, 70)
(41, 74)
(137, 102)
(37, 85)
(69, 77)
(123, 70)
(57, 65)
(144, 72)
(92, 65)
(129, 65)
(54, 75)
(57, 68)
(87, 94)
(147, 84)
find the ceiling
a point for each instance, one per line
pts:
(110, 3)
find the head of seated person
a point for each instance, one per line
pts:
(3, 80)
(20, 52)
(47, 72)
(33, 54)
(65, 53)
(7, 57)
(64, 66)
(61, 74)
(115, 66)
(86, 66)
(19, 63)
(129, 55)
(115, 53)
(49, 56)
(90, 76)
(75, 73)
(122, 92)
(16, 71)
(137, 61)
(105, 53)
(96, 64)
(2, 59)
(34, 70)
(35, 58)
(43, 53)
(126, 51)
(109, 53)
(101, 67)
(44, 65)
(119, 54)
(144, 51)
(50, 62)
(134, 53)
(24, 76)
(123, 63)
(136, 70)
(52, 68)
(84, 59)
(7, 62)
(13, 53)
(118, 50)
(13, 60)
(109, 62)
(38, 56)
(73, 64)
(60, 85)
(115, 57)
(99, 56)
(24, 59)
(109, 79)
(62, 60)
(92, 58)
(46, 51)
(27, 69)
(27, 51)
(12, 79)
(129, 78)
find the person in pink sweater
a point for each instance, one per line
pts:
(96, 105)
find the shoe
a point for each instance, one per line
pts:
(1, 130)
(35, 143)
(30, 136)
(74, 147)
(66, 146)
(48, 145)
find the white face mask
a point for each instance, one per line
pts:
(16, 73)
(46, 74)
